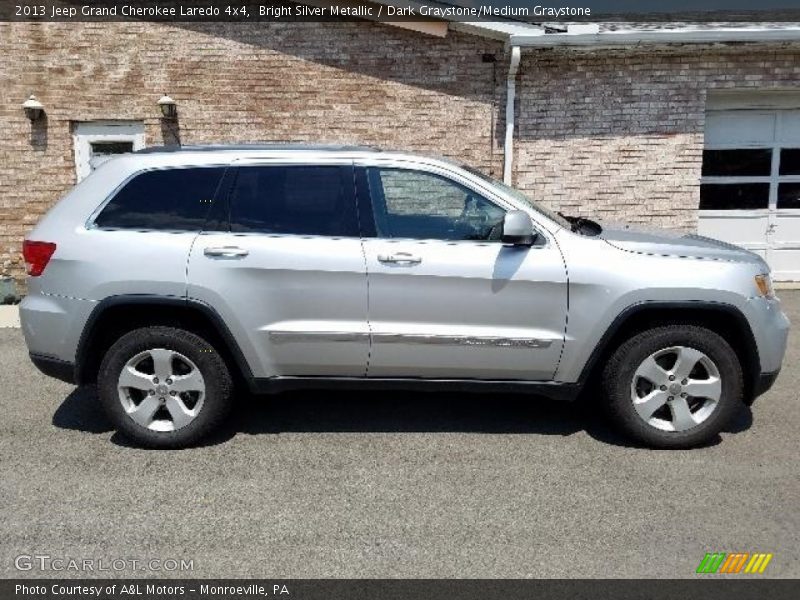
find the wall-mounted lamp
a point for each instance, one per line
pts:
(33, 108)
(168, 107)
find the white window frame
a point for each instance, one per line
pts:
(774, 179)
(86, 133)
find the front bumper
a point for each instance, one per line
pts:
(762, 384)
(770, 328)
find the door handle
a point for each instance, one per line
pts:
(226, 252)
(403, 258)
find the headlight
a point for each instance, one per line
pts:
(764, 285)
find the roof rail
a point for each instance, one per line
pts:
(257, 146)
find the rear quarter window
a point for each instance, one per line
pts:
(167, 199)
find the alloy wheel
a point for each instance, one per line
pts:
(161, 390)
(676, 388)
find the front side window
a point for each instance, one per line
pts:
(168, 199)
(299, 200)
(420, 205)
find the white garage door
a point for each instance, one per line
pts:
(750, 188)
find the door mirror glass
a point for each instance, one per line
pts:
(518, 229)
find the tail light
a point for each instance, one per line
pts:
(37, 255)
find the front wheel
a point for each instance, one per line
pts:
(164, 387)
(676, 386)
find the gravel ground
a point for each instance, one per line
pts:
(307, 485)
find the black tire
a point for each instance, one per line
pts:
(619, 372)
(218, 386)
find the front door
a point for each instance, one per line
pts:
(285, 269)
(447, 299)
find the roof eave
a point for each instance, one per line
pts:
(602, 40)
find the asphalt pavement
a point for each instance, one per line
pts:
(317, 485)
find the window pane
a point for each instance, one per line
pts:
(417, 205)
(294, 200)
(737, 162)
(789, 195)
(740, 196)
(102, 148)
(174, 199)
(790, 161)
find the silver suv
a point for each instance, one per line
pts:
(169, 276)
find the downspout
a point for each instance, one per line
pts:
(511, 91)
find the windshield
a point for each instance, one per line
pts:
(519, 196)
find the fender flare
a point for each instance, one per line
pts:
(602, 346)
(206, 310)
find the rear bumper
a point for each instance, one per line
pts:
(54, 367)
(52, 325)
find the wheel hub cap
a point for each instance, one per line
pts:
(161, 389)
(676, 388)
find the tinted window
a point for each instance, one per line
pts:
(418, 205)
(789, 195)
(790, 161)
(172, 199)
(294, 200)
(737, 162)
(741, 196)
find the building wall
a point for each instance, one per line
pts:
(342, 82)
(618, 134)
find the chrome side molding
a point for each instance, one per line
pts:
(285, 337)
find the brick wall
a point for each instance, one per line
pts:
(618, 134)
(343, 82)
(613, 134)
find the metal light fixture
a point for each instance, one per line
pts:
(168, 107)
(33, 108)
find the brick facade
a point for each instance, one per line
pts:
(346, 82)
(615, 134)
(618, 134)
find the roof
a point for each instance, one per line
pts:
(633, 34)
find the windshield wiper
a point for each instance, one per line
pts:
(581, 224)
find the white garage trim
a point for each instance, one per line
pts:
(763, 138)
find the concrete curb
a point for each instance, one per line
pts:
(9, 316)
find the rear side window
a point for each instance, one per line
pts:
(170, 199)
(299, 200)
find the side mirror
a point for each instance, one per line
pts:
(518, 229)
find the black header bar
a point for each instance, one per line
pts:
(533, 11)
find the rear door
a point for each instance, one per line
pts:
(146, 230)
(447, 299)
(283, 265)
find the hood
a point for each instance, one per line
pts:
(670, 243)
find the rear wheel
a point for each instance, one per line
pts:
(164, 387)
(673, 387)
